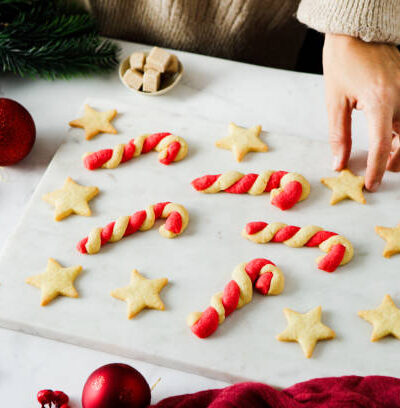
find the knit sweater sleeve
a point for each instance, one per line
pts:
(369, 20)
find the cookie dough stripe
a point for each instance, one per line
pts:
(260, 273)
(177, 219)
(170, 147)
(286, 189)
(339, 250)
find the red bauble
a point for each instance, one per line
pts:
(17, 132)
(116, 386)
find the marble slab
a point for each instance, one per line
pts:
(200, 262)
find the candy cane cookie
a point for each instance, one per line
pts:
(176, 215)
(286, 189)
(171, 148)
(339, 250)
(260, 273)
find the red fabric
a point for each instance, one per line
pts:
(333, 392)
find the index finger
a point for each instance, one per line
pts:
(380, 140)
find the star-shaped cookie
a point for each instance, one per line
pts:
(392, 238)
(385, 319)
(242, 141)
(55, 280)
(346, 185)
(306, 329)
(95, 122)
(141, 293)
(71, 198)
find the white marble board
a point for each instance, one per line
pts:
(200, 262)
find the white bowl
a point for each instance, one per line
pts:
(168, 81)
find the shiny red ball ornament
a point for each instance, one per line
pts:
(116, 386)
(17, 132)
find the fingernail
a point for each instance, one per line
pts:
(335, 163)
(375, 186)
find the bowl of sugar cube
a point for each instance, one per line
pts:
(153, 73)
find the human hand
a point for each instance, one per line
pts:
(363, 76)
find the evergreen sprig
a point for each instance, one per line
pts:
(51, 39)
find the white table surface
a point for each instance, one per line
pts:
(281, 101)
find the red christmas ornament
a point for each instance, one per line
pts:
(116, 386)
(17, 132)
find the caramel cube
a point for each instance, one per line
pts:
(158, 59)
(133, 78)
(137, 60)
(173, 65)
(151, 80)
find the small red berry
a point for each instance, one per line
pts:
(60, 398)
(45, 397)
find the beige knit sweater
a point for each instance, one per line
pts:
(257, 31)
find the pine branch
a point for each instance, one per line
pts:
(52, 40)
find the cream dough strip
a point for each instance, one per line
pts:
(171, 148)
(339, 249)
(177, 219)
(260, 273)
(286, 189)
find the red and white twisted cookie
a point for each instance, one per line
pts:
(260, 273)
(172, 148)
(339, 249)
(286, 188)
(177, 219)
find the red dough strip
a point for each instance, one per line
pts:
(202, 183)
(208, 323)
(209, 320)
(332, 259)
(289, 196)
(97, 159)
(243, 185)
(172, 152)
(173, 224)
(328, 263)
(291, 191)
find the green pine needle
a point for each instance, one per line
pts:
(51, 39)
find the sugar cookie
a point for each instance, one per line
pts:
(72, 198)
(95, 122)
(141, 293)
(346, 185)
(55, 281)
(392, 238)
(307, 329)
(385, 319)
(242, 141)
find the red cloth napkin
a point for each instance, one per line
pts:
(333, 392)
